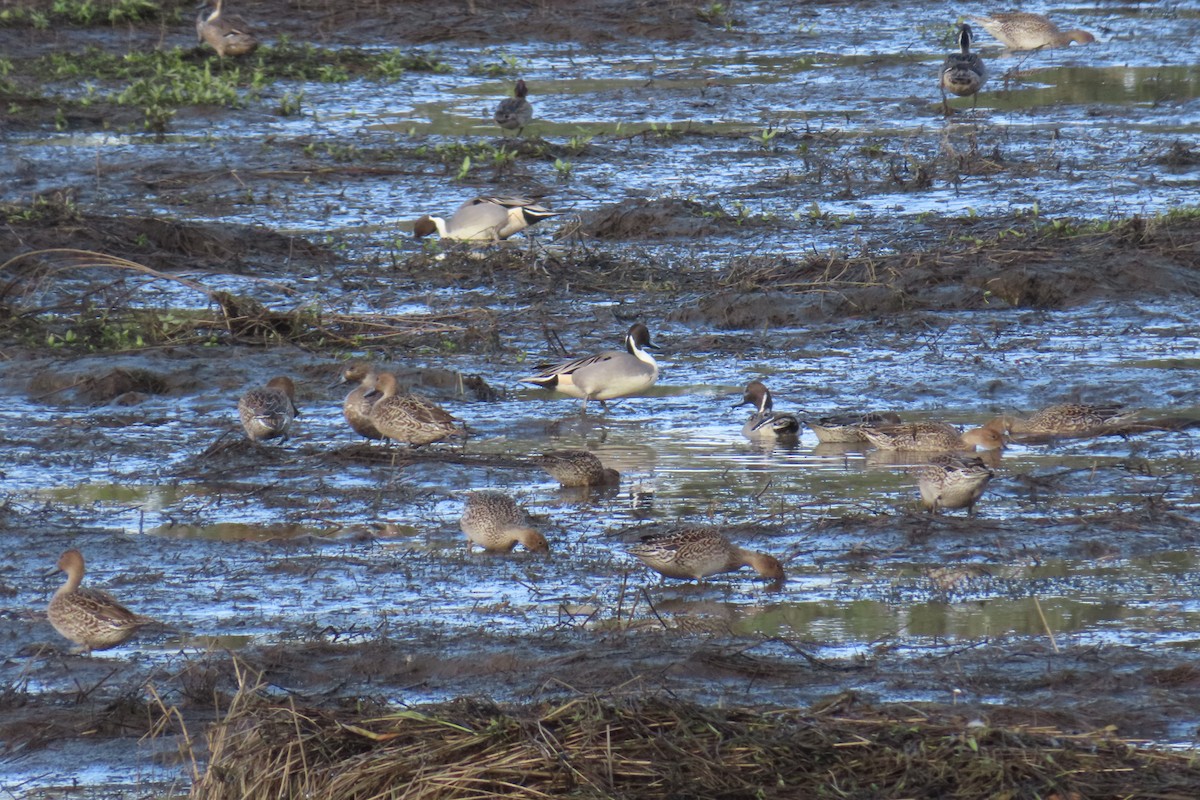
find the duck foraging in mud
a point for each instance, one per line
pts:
(485, 219)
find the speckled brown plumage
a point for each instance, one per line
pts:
(951, 481)
(356, 408)
(89, 617)
(933, 437)
(495, 522)
(573, 468)
(409, 418)
(847, 428)
(1065, 419)
(1022, 30)
(697, 552)
(267, 413)
(228, 34)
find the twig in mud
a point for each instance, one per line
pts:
(1045, 624)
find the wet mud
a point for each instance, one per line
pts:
(848, 246)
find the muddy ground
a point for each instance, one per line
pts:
(335, 570)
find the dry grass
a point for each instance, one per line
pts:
(661, 747)
(101, 298)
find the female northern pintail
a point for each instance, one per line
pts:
(267, 413)
(88, 617)
(228, 35)
(495, 522)
(963, 73)
(933, 437)
(847, 428)
(515, 112)
(697, 552)
(575, 468)
(951, 481)
(1065, 419)
(765, 422)
(607, 375)
(1021, 30)
(356, 408)
(485, 219)
(404, 417)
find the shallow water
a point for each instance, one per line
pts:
(1087, 541)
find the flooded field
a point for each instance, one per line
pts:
(771, 187)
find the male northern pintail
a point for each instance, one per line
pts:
(515, 112)
(228, 35)
(951, 481)
(356, 408)
(933, 437)
(700, 551)
(485, 219)
(495, 522)
(847, 428)
(607, 375)
(1022, 30)
(404, 417)
(764, 422)
(267, 413)
(575, 468)
(89, 617)
(963, 73)
(1065, 419)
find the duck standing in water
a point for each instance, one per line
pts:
(356, 408)
(89, 617)
(951, 481)
(228, 35)
(267, 413)
(404, 417)
(485, 219)
(607, 375)
(962, 73)
(765, 422)
(515, 112)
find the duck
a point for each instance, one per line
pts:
(485, 219)
(577, 468)
(495, 522)
(950, 481)
(515, 112)
(356, 408)
(963, 73)
(1064, 419)
(405, 417)
(700, 551)
(607, 375)
(933, 437)
(1022, 30)
(764, 422)
(90, 618)
(267, 413)
(847, 428)
(228, 35)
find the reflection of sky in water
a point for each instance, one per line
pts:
(1074, 135)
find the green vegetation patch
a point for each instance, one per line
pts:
(82, 13)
